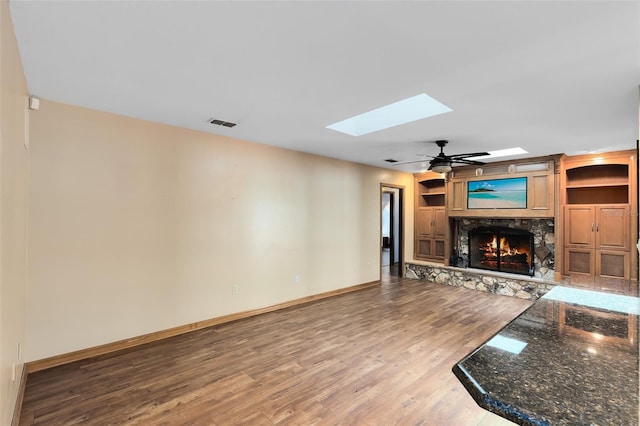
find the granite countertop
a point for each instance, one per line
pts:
(571, 358)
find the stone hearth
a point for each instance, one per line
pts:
(485, 281)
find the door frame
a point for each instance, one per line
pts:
(401, 223)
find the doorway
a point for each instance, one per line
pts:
(391, 235)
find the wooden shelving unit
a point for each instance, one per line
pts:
(599, 229)
(598, 184)
(430, 217)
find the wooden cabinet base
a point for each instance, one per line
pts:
(430, 249)
(616, 285)
(606, 284)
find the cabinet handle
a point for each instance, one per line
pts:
(597, 227)
(592, 225)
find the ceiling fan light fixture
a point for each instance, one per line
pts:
(441, 166)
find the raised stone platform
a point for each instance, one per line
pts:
(480, 280)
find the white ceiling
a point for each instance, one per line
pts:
(547, 76)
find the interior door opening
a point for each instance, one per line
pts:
(391, 235)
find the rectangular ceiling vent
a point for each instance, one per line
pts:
(221, 122)
(391, 160)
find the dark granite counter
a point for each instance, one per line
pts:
(570, 359)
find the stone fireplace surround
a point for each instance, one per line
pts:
(459, 275)
(543, 235)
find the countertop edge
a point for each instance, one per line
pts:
(486, 401)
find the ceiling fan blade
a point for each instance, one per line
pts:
(471, 154)
(441, 158)
(463, 161)
(409, 162)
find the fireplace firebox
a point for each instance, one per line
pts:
(501, 249)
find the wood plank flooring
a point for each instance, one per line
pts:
(378, 356)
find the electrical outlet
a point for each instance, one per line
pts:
(235, 289)
(297, 279)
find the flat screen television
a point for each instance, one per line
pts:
(509, 193)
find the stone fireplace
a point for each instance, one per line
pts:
(512, 245)
(506, 282)
(501, 249)
(534, 237)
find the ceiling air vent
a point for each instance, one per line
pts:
(391, 160)
(221, 122)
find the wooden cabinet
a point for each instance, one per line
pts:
(597, 246)
(431, 226)
(598, 227)
(540, 187)
(598, 269)
(579, 226)
(598, 198)
(430, 217)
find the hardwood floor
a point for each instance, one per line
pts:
(378, 356)
(390, 272)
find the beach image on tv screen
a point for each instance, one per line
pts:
(508, 193)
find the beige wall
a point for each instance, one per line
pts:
(137, 227)
(14, 172)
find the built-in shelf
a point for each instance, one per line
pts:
(432, 200)
(599, 197)
(597, 175)
(430, 221)
(597, 184)
(432, 192)
(604, 194)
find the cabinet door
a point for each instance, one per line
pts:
(439, 222)
(612, 270)
(579, 264)
(612, 227)
(458, 199)
(423, 248)
(438, 249)
(429, 248)
(424, 222)
(579, 226)
(541, 192)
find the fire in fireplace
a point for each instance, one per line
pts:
(501, 249)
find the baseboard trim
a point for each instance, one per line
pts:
(15, 421)
(81, 354)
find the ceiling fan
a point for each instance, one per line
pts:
(441, 163)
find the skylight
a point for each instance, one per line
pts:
(401, 112)
(502, 153)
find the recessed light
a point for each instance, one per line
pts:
(502, 153)
(401, 112)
